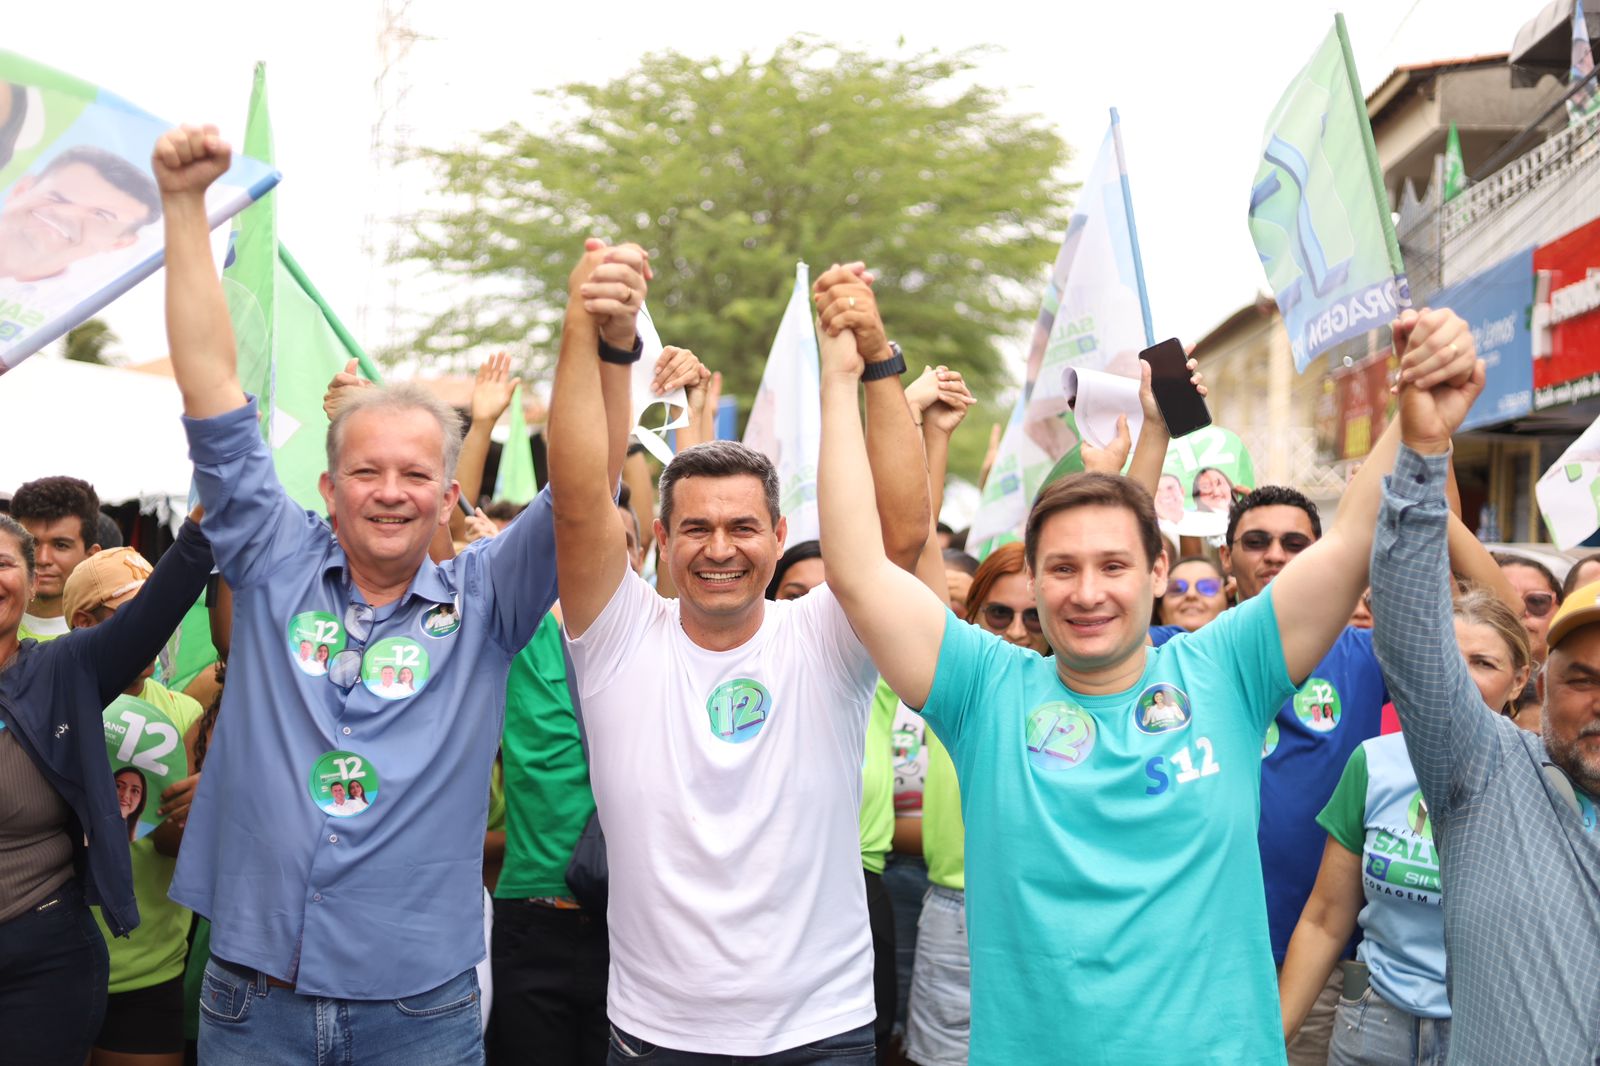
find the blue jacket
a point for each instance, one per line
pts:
(52, 697)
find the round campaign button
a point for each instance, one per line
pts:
(442, 620)
(738, 709)
(315, 637)
(1060, 736)
(1269, 743)
(343, 784)
(395, 668)
(1317, 705)
(1161, 709)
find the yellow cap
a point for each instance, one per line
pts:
(1576, 611)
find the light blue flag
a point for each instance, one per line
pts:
(1319, 214)
(1095, 315)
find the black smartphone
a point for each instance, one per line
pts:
(1182, 406)
(466, 508)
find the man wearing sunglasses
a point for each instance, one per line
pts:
(1513, 812)
(1335, 709)
(1105, 856)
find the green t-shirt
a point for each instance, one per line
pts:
(1345, 816)
(155, 951)
(1116, 910)
(497, 799)
(877, 781)
(546, 776)
(943, 834)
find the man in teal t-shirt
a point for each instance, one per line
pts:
(1114, 897)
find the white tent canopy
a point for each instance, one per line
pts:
(119, 430)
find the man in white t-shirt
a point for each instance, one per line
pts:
(726, 732)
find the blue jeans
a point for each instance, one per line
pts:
(854, 1048)
(939, 1015)
(244, 1021)
(53, 971)
(1370, 1032)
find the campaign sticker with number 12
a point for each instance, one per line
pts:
(344, 784)
(147, 757)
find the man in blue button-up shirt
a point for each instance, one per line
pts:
(336, 840)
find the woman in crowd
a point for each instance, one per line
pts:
(1541, 594)
(1196, 594)
(64, 843)
(938, 1013)
(1381, 871)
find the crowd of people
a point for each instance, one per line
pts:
(1315, 795)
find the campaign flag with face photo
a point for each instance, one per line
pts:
(786, 420)
(1095, 315)
(147, 757)
(80, 214)
(1319, 215)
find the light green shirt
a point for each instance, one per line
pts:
(877, 781)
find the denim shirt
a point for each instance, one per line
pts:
(51, 697)
(1519, 864)
(377, 897)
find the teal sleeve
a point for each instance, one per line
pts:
(1345, 816)
(965, 656)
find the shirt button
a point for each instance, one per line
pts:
(316, 897)
(333, 838)
(346, 730)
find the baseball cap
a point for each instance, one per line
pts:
(107, 578)
(1576, 611)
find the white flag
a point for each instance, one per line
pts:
(786, 422)
(1569, 492)
(1094, 316)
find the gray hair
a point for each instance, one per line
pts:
(12, 528)
(405, 395)
(719, 458)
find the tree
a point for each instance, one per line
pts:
(88, 342)
(730, 172)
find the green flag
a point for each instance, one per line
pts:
(1319, 215)
(515, 480)
(1455, 169)
(290, 343)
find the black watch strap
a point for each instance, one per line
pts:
(893, 366)
(622, 356)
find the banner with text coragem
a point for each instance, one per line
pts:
(1094, 315)
(79, 210)
(1319, 215)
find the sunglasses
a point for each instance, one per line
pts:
(1259, 540)
(1206, 586)
(1538, 604)
(997, 616)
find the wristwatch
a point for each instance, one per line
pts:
(893, 366)
(622, 356)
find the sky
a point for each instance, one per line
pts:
(1193, 84)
